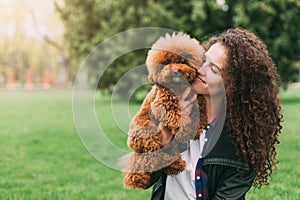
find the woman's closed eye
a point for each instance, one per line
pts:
(210, 66)
(214, 68)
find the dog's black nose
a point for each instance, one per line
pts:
(176, 77)
(175, 72)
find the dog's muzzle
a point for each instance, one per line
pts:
(176, 76)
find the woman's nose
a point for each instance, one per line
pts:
(201, 70)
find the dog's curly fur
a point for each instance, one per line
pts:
(172, 64)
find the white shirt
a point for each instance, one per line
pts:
(182, 186)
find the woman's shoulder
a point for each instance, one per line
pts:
(221, 161)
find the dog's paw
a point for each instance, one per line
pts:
(136, 180)
(175, 168)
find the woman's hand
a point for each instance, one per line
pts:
(186, 105)
(166, 135)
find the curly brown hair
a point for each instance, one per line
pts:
(253, 108)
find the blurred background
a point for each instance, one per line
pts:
(42, 45)
(43, 42)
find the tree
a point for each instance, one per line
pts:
(89, 22)
(63, 56)
(277, 24)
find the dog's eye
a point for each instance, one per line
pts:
(187, 56)
(161, 66)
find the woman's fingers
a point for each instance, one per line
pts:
(187, 108)
(186, 93)
(184, 101)
(166, 135)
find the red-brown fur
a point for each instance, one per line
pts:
(169, 55)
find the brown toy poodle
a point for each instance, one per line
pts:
(172, 64)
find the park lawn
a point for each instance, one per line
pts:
(42, 156)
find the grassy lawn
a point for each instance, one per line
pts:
(42, 156)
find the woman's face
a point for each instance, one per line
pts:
(209, 80)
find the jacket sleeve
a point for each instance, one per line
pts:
(159, 187)
(227, 182)
(154, 177)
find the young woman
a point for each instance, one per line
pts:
(240, 85)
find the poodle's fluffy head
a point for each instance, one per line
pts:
(173, 58)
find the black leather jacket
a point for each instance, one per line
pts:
(230, 181)
(227, 178)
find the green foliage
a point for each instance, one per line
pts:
(276, 23)
(90, 22)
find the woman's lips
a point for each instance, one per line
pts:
(198, 77)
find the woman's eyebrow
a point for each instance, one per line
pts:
(209, 60)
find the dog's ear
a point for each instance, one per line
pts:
(175, 48)
(158, 59)
(154, 72)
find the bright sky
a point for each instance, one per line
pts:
(16, 14)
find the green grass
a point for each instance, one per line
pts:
(42, 156)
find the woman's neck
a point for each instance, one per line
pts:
(213, 107)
